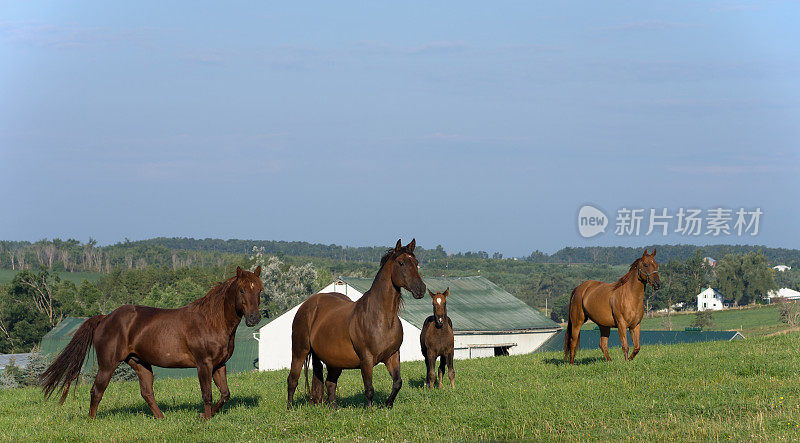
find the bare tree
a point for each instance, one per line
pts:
(43, 295)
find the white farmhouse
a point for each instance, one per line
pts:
(710, 299)
(487, 321)
(782, 268)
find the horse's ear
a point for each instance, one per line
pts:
(257, 272)
(446, 292)
(398, 245)
(238, 272)
(654, 253)
(645, 252)
(431, 293)
(412, 245)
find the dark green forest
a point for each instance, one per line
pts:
(170, 272)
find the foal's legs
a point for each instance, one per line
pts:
(220, 377)
(430, 364)
(605, 331)
(330, 384)
(145, 374)
(635, 337)
(393, 366)
(440, 372)
(451, 373)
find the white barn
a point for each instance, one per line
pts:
(787, 293)
(487, 321)
(710, 300)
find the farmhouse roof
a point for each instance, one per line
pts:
(475, 304)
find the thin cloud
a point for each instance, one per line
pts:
(723, 170)
(44, 35)
(647, 25)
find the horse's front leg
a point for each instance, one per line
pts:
(366, 376)
(220, 377)
(204, 371)
(622, 328)
(393, 366)
(635, 337)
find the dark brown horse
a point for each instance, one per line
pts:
(619, 305)
(199, 335)
(436, 340)
(344, 334)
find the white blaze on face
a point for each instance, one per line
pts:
(438, 301)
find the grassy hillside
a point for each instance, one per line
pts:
(742, 390)
(6, 275)
(760, 320)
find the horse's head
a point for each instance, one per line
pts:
(248, 287)
(439, 306)
(405, 273)
(648, 269)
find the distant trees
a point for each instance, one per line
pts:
(744, 278)
(284, 285)
(681, 281)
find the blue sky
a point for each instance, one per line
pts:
(475, 125)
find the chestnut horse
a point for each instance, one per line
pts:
(343, 334)
(436, 340)
(200, 334)
(619, 305)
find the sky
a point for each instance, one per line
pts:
(474, 125)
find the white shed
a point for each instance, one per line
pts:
(787, 293)
(711, 300)
(487, 321)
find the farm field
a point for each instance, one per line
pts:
(755, 321)
(6, 275)
(743, 390)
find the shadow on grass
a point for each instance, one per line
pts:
(578, 361)
(167, 407)
(352, 401)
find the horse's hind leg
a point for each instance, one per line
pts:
(316, 381)
(104, 373)
(145, 374)
(330, 384)
(605, 331)
(220, 377)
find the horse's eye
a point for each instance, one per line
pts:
(646, 265)
(400, 263)
(241, 291)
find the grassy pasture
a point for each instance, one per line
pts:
(6, 275)
(743, 390)
(759, 320)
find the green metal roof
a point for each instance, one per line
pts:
(475, 304)
(244, 358)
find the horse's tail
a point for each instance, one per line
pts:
(568, 332)
(67, 366)
(305, 366)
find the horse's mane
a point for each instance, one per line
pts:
(216, 295)
(390, 252)
(625, 278)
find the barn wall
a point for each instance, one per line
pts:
(526, 342)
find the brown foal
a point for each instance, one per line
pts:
(436, 340)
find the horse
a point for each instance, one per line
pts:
(619, 305)
(332, 329)
(200, 334)
(436, 340)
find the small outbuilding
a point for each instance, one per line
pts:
(785, 293)
(487, 321)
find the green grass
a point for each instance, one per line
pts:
(6, 275)
(759, 320)
(743, 390)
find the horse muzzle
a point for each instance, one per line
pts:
(252, 319)
(418, 290)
